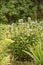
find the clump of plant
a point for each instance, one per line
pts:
(36, 53)
(4, 43)
(24, 34)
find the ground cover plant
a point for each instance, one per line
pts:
(21, 32)
(21, 43)
(4, 43)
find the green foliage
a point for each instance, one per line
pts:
(24, 34)
(12, 10)
(4, 42)
(36, 53)
(39, 5)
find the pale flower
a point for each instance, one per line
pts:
(33, 22)
(20, 20)
(29, 18)
(9, 26)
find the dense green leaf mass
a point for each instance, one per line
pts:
(12, 10)
(17, 37)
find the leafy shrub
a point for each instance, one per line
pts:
(4, 43)
(36, 53)
(12, 10)
(24, 34)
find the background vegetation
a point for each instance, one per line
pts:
(21, 32)
(12, 10)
